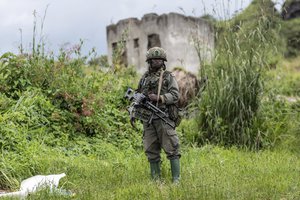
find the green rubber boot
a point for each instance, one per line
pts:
(155, 170)
(175, 169)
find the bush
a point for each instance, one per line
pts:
(291, 32)
(91, 105)
(100, 61)
(61, 108)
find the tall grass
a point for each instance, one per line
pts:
(230, 104)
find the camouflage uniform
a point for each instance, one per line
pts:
(160, 135)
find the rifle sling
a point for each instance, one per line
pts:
(159, 85)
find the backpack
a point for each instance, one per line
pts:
(175, 113)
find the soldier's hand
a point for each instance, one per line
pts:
(153, 97)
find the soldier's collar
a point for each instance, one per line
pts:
(157, 73)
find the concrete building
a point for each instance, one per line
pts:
(186, 39)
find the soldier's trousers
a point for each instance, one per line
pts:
(157, 136)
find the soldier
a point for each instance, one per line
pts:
(162, 89)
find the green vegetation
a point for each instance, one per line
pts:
(47, 104)
(230, 111)
(207, 173)
(291, 31)
(242, 141)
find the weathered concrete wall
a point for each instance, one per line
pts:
(177, 34)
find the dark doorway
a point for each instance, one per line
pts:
(153, 41)
(136, 43)
(114, 46)
(124, 54)
(120, 53)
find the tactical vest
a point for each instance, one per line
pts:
(150, 81)
(149, 84)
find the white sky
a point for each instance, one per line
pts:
(68, 21)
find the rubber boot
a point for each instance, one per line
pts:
(175, 169)
(155, 170)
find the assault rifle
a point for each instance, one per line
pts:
(141, 102)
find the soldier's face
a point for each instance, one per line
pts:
(156, 63)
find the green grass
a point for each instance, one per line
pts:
(207, 173)
(284, 80)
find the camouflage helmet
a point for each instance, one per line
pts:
(156, 52)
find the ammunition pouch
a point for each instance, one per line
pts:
(141, 113)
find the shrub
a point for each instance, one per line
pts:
(291, 32)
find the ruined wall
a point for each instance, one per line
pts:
(176, 33)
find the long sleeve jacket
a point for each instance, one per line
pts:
(169, 93)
